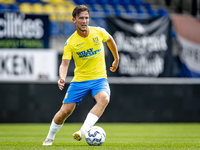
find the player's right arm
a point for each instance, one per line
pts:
(63, 73)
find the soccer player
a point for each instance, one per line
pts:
(86, 47)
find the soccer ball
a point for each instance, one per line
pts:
(95, 136)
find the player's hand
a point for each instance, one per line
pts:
(61, 84)
(114, 66)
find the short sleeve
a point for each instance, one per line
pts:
(67, 54)
(105, 35)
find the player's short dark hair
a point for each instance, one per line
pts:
(78, 9)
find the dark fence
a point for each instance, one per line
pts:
(152, 102)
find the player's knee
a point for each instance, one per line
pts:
(105, 101)
(66, 113)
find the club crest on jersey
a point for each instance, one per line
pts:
(96, 40)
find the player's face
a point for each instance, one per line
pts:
(82, 21)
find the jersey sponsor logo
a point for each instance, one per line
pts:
(96, 40)
(89, 53)
(80, 47)
(80, 44)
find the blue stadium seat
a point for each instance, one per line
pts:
(79, 2)
(127, 9)
(162, 12)
(124, 2)
(92, 22)
(3, 8)
(69, 28)
(101, 2)
(117, 10)
(22, 1)
(13, 8)
(54, 28)
(102, 23)
(113, 2)
(34, 1)
(106, 10)
(94, 8)
(147, 6)
(136, 2)
(90, 2)
(151, 12)
(138, 9)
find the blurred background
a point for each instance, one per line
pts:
(159, 48)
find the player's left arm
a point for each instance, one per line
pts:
(113, 48)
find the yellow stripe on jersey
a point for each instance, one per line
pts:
(88, 54)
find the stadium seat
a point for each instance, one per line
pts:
(149, 9)
(9, 2)
(151, 12)
(127, 9)
(54, 28)
(25, 8)
(90, 2)
(34, 1)
(147, 5)
(124, 2)
(102, 23)
(63, 12)
(102, 2)
(79, 2)
(50, 10)
(57, 1)
(37, 8)
(117, 10)
(69, 4)
(13, 8)
(138, 9)
(92, 22)
(136, 2)
(45, 1)
(61, 8)
(68, 28)
(113, 2)
(106, 10)
(22, 1)
(95, 8)
(162, 12)
(3, 8)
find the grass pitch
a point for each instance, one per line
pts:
(120, 136)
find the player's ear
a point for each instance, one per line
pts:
(74, 20)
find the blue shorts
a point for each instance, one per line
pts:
(77, 90)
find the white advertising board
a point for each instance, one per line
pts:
(28, 65)
(190, 54)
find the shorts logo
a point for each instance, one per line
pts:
(96, 40)
(66, 95)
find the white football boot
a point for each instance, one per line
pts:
(47, 142)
